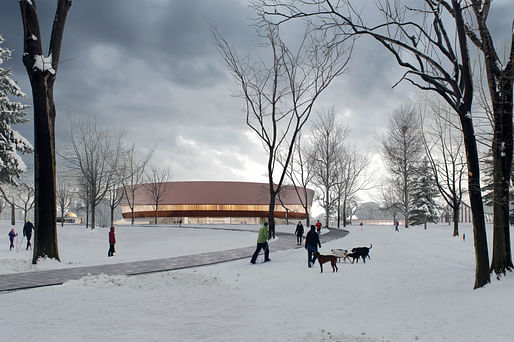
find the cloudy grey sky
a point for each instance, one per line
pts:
(151, 68)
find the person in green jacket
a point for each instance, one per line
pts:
(262, 243)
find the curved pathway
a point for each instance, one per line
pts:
(27, 280)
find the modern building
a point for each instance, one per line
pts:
(205, 202)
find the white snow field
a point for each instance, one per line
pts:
(418, 286)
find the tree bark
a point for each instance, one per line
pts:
(13, 214)
(42, 78)
(456, 213)
(502, 165)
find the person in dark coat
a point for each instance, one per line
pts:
(112, 241)
(27, 232)
(12, 234)
(299, 233)
(311, 244)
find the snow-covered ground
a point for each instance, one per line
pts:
(416, 287)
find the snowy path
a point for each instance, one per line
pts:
(26, 280)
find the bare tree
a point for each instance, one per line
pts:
(300, 173)
(8, 192)
(352, 178)
(25, 198)
(42, 71)
(156, 187)
(444, 148)
(391, 197)
(500, 78)
(93, 154)
(327, 137)
(131, 174)
(402, 149)
(114, 198)
(433, 50)
(279, 96)
(64, 191)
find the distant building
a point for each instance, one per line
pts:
(371, 213)
(69, 217)
(216, 203)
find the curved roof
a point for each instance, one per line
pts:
(217, 192)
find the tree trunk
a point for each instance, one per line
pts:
(87, 214)
(42, 72)
(112, 216)
(344, 213)
(502, 145)
(475, 197)
(456, 213)
(62, 218)
(45, 212)
(13, 214)
(502, 164)
(339, 212)
(406, 195)
(93, 216)
(327, 206)
(500, 90)
(271, 214)
(156, 211)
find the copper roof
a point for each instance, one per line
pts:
(213, 192)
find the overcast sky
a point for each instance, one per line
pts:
(151, 68)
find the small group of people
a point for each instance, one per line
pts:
(299, 231)
(27, 233)
(312, 242)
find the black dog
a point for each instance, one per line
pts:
(359, 252)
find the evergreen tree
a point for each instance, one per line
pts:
(424, 194)
(11, 113)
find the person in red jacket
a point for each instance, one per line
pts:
(318, 227)
(112, 241)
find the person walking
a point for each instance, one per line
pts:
(318, 227)
(396, 225)
(299, 233)
(262, 243)
(112, 241)
(311, 244)
(12, 234)
(27, 232)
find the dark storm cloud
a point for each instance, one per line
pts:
(150, 68)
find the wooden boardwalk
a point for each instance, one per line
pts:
(27, 280)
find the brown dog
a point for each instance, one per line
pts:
(326, 258)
